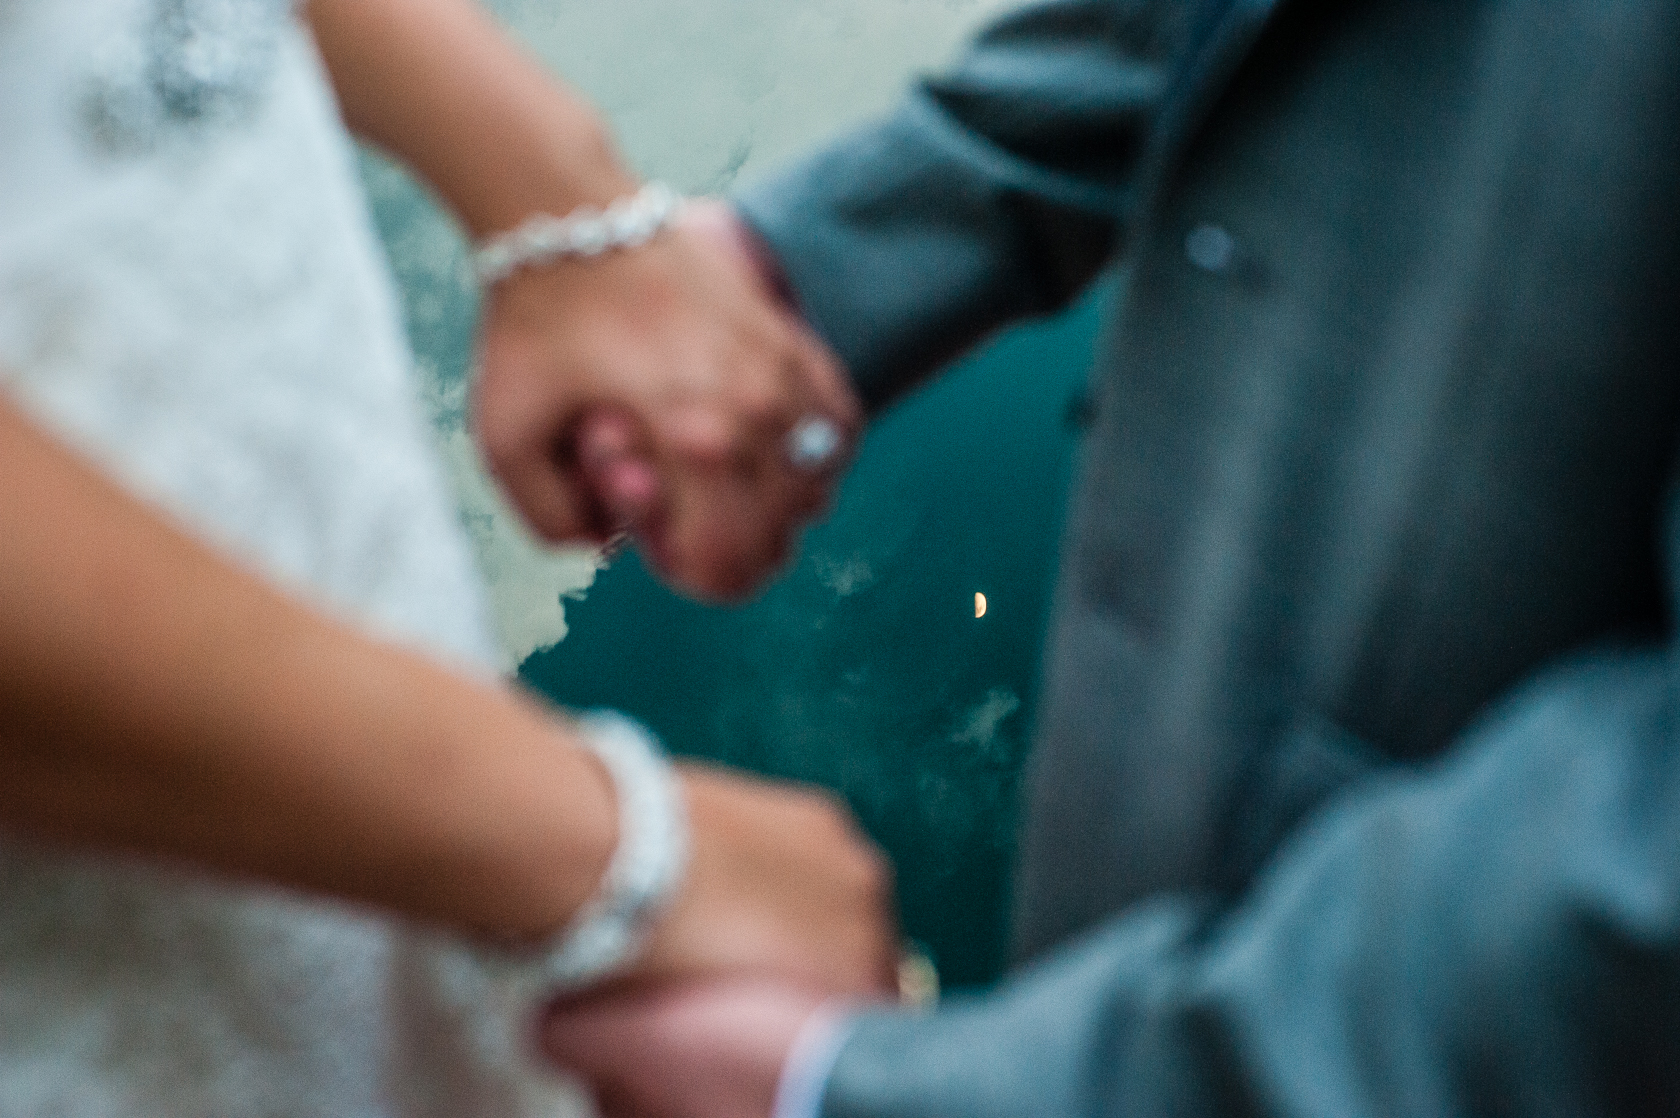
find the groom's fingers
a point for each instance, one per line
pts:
(708, 487)
(707, 1050)
(710, 517)
(618, 467)
(722, 533)
(733, 505)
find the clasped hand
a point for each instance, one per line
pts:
(785, 907)
(652, 391)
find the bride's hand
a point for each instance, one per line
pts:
(678, 340)
(780, 882)
(654, 389)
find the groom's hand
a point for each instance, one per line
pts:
(702, 1050)
(653, 389)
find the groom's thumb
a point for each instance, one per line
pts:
(617, 469)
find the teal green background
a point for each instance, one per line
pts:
(863, 669)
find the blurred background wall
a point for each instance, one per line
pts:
(869, 666)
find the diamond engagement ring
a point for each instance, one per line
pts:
(813, 442)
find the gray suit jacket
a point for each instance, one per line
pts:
(1357, 788)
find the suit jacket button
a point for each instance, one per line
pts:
(1210, 248)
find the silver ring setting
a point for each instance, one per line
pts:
(813, 442)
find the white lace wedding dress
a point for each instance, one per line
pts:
(190, 292)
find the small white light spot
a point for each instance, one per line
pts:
(979, 604)
(1210, 248)
(812, 442)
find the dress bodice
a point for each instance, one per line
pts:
(191, 294)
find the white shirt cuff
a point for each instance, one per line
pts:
(815, 1051)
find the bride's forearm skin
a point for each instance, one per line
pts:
(437, 84)
(156, 698)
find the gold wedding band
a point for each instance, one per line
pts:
(918, 978)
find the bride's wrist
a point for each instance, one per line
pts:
(648, 864)
(571, 162)
(605, 933)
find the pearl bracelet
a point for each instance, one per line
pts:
(645, 870)
(643, 877)
(585, 232)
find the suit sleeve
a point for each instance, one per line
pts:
(994, 192)
(1498, 935)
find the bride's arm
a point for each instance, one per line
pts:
(677, 336)
(157, 699)
(439, 85)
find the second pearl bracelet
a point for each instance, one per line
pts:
(503, 990)
(585, 232)
(645, 872)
